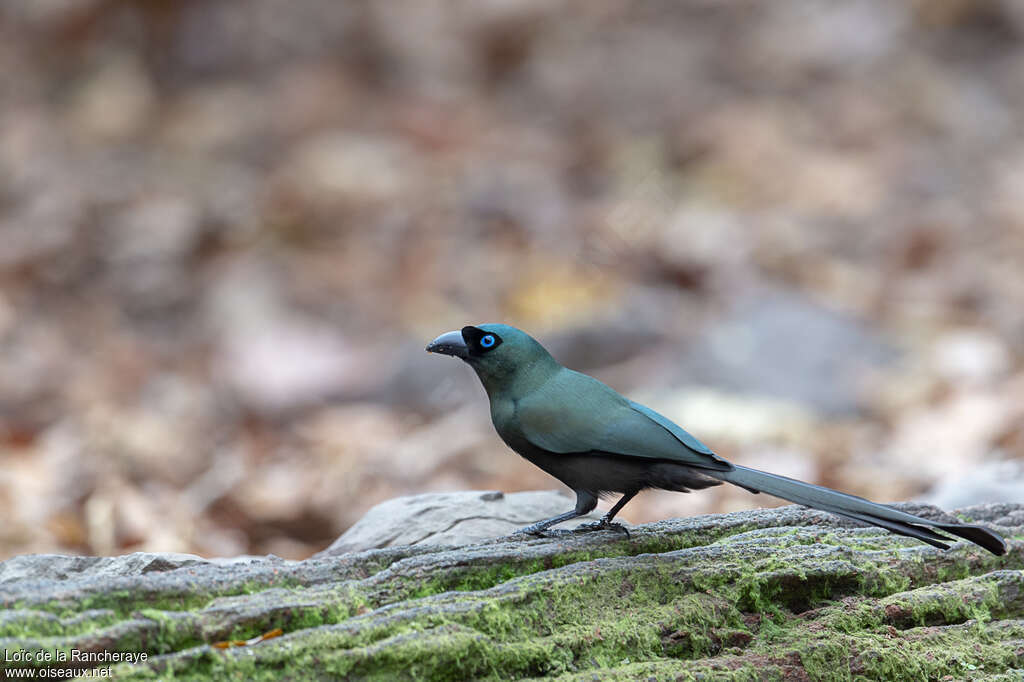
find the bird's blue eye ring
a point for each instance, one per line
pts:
(487, 341)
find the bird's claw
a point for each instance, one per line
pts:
(602, 525)
(540, 532)
(554, 533)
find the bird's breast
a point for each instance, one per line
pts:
(503, 416)
(506, 422)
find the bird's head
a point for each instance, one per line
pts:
(502, 356)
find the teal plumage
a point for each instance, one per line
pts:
(596, 441)
(559, 417)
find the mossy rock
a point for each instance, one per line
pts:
(784, 593)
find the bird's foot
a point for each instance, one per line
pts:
(603, 524)
(540, 531)
(554, 533)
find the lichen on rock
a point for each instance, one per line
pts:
(785, 593)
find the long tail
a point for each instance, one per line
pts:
(859, 509)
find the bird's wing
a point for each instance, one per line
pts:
(688, 439)
(573, 412)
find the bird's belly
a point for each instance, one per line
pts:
(602, 472)
(594, 472)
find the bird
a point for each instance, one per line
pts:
(598, 442)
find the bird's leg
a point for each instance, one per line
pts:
(541, 526)
(606, 520)
(585, 502)
(617, 507)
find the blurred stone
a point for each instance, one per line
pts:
(709, 236)
(278, 490)
(99, 521)
(517, 198)
(930, 442)
(167, 434)
(350, 431)
(274, 358)
(215, 540)
(36, 358)
(285, 363)
(747, 420)
(971, 355)
(41, 227)
(214, 118)
(424, 450)
(366, 167)
(115, 102)
(781, 344)
(98, 568)
(452, 519)
(803, 37)
(154, 230)
(977, 483)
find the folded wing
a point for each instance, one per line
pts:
(573, 412)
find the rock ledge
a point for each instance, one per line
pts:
(784, 593)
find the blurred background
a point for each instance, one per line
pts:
(228, 229)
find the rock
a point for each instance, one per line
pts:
(738, 417)
(57, 567)
(954, 435)
(273, 358)
(780, 344)
(784, 593)
(973, 356)
(356, 166)
(458, 518)
(993, 481)
(115, 102)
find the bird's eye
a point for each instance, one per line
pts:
(487, 341)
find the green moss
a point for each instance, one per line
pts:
(23, 623)
(750, 603)
(473, 637)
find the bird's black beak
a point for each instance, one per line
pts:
(450, 343)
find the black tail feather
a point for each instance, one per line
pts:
(979, 535)
(924, 534)
(859, 509)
